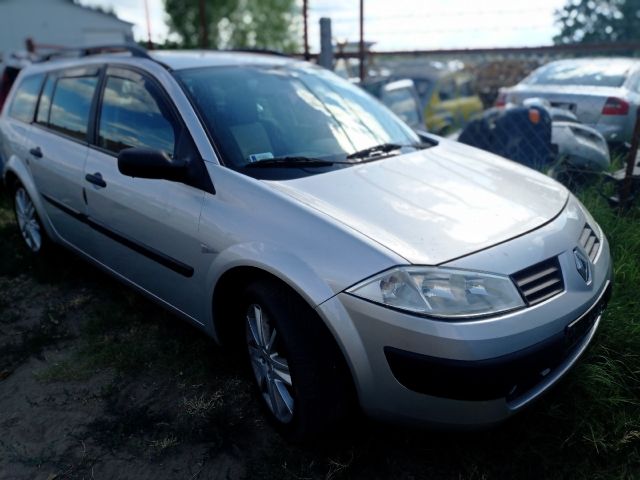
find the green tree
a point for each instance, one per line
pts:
(588, 21)
(268, 24)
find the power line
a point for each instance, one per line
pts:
(432, 15)
(429, 30)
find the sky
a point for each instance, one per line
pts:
(399, 24)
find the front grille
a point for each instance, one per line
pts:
(590, 242)
(540, 282)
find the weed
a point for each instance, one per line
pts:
(202, 405)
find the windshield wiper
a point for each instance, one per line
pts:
(288, 162)
(379, 150)
(375, 150)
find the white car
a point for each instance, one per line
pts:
(603, 93)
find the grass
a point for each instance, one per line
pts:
(588, 427)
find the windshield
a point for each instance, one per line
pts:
(257, 113)
(594, 74)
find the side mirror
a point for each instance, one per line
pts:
(150, 163)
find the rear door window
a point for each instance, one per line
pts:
(23, 106)
(134, 115)
(71, 105)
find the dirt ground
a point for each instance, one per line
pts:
(97, 382)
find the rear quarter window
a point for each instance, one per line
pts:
(23, 105)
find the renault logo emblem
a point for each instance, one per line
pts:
(582, 265)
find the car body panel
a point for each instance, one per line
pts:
(59, 177)
(296, 244)
(158, 215)
(14, 139)
(585, 102)
(437, 204)
(452, 104)
(321, 234)
(378, 327)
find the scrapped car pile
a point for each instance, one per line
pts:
(567, 118)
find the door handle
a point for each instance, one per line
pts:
(36, 152)
(96, 179)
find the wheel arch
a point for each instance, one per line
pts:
(228, 290)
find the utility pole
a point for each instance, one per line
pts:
(204, 29)
(305, 17)
(146, 12)
(361, 52)
(325, 59)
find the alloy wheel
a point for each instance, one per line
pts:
(270, 367)
(28, 220)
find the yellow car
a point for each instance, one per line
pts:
(449, 99)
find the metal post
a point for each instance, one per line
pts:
(305, 18)
(326, 46)
(361, 52)
(625, 189)
(146, 12)
(204, 26)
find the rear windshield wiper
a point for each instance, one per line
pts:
(378, 150)
(288, 162)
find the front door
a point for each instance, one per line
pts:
(144, 230)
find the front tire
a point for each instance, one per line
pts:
(299, 372)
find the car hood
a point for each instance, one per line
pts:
(434, 205)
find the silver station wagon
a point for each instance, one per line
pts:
(290, 215)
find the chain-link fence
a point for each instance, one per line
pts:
(567, 111)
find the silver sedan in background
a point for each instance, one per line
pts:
(603, 93)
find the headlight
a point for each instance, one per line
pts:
(441, 292)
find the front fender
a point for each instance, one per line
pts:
(17, 168)
(272, 259)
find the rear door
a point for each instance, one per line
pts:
(58, 149)
(144, 229)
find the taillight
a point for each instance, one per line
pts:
(615, 106)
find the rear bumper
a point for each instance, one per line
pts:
(614, 131)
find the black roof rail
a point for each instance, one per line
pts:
(133, 49)
(264, 51)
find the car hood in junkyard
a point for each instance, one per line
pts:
(434, 205)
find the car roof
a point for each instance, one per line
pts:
(183, 59)
(174, 60)
(621, 62)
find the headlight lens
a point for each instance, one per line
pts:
(441, 292)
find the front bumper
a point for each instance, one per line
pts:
(475, 373)
(514, 376)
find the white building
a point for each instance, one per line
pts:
(57, 24)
